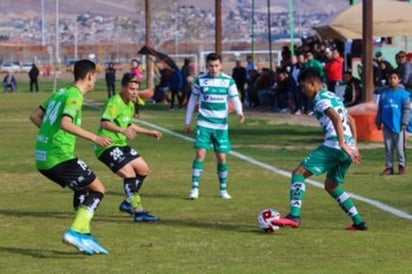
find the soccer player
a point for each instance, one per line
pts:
(334, 156)
(117, 123)
(212, 91)
(59, 119)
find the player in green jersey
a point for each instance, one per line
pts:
(334, 156)
(117, 123)
(212, 91)
(59, 122)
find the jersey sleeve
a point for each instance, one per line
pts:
(72, 105)
(110, 111)
(233, 92)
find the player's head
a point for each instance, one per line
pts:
(214, 64)
(130, 87)
(394, 78)
(85, 71)
(311, 81)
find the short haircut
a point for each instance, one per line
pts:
(213, 57)
(82, 68)
(310, 74)
(395, 71)
(129, 77)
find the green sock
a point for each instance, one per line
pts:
(346, 203)
(222, 169)
(135, 200)
(81, 222)
(197, 169)
(297, 192)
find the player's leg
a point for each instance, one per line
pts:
(317, 162)
(222, 173)
(79, 177)
(202, 144)
(296, 195)
(346, 203)
(222, 145)
(197, 170)
(133, 175)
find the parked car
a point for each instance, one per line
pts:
(26, 67)
(10, 67)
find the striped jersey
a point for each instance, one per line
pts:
(323, 101)
(213, 94)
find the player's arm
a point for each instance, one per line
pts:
(152, 133)
(237, 104)
(37, 116)
(109, 125)
(189, 112)
(338, 125)
(68, 125)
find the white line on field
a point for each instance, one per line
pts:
(375, 203)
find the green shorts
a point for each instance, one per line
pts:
(325, 159)
(206, 137)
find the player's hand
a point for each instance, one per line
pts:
(102, 140)
(156, 134)
(188, 129)
(353, 153)
(129, 132)
(241, 118)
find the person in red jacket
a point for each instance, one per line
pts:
(334, 70)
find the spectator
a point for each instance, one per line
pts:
(187, 73)
(405, 70)
(312, 62)
(162, 87)
(393, 117)
(282, 92)
(176, 85)
(383, 68)
(9, 82)
(251, 95)
(353, 90)
(240, 76)
(263, 86)
(34, 77)
(139, 74)
(297, 65)
(334, 70)
(251, 65)
(110, 76)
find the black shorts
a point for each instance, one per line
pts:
(117, 157)
(73, 173)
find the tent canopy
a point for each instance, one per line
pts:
(390, 18)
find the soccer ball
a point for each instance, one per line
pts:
(265, 217)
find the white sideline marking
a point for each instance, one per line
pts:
(375, 203)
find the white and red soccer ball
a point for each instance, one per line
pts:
(265, 217)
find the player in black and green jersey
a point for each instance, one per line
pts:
(333, 157)
(59, 122)
(117, 123)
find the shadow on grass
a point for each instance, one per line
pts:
(41, 253)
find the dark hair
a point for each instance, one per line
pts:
(310, 74)
(395, 71)
(213, 57)
(82, 68)
(129, 78)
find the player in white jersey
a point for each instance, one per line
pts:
(334, 156)
(212, 91)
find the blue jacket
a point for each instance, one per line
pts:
(394, 109)
(176, 80)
